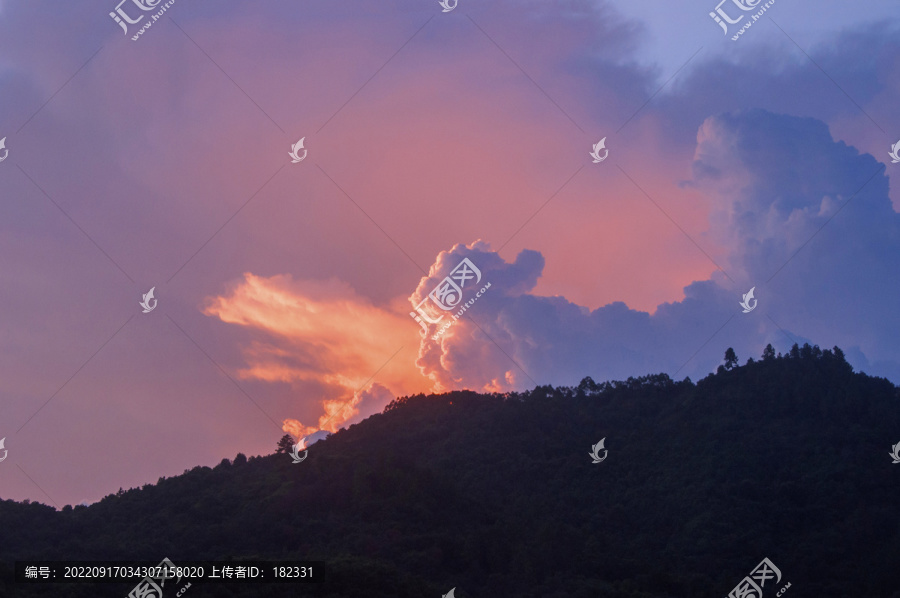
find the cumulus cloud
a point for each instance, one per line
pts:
(805, 219)
(511, 338)
(809, 220)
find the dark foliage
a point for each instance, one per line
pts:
(785, 458)
(285, 444)
(731, 359)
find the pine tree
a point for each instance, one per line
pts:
(286, 444)
(730, 359)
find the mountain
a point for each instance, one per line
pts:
(785, 458)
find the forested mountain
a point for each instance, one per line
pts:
(784, 458)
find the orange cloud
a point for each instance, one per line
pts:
(340, 412)
(323, 332)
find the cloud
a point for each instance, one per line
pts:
(511, 338)
(320, 335)
(809, 220)
(788, 200)
(804, 218)
(339, 413)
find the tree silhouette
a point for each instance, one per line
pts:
(768, 352)
(730, 359)
(286, 444)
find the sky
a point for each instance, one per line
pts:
(439, 149)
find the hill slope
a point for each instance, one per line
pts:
(785, 458)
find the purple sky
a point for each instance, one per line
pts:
(284, 290)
